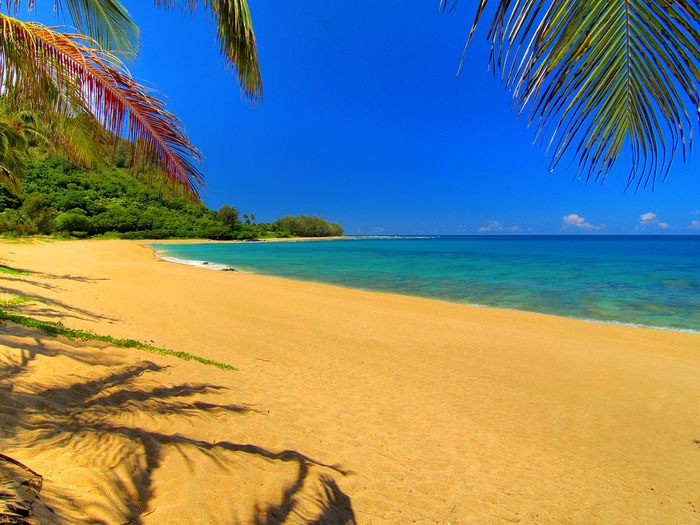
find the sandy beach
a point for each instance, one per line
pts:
(348, 406)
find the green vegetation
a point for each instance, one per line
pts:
(57, 329)
(13, 302)
(305, 226)
(11, 271)
(69, 76)
(58, 198)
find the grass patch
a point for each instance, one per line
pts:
(11, 271)
(14, 301)
(56, 329)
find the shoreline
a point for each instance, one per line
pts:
(383, 407)
(224, 267)
(237, 241)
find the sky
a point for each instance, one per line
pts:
(364, 122)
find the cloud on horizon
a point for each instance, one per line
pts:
(574, 220)
(651, 219)
(496, 226)
(695, 225)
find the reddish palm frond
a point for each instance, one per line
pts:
(65, 73)
(105, 21)
(110, 25)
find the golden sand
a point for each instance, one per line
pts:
(348, 405)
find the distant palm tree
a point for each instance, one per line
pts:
(61, 74)
(15, 138)
(79, 139)
(600, 76)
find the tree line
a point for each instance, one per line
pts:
(58, 198)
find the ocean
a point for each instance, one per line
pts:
(636, 280)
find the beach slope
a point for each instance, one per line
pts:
(349, 406)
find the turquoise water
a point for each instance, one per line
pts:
(652, 281)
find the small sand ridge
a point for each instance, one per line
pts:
(349, 406)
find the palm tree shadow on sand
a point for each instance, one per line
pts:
(41, 290)
(113, 421)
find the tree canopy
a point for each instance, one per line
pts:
(59, 198)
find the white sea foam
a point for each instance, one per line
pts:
(637, 325)
(189, 262)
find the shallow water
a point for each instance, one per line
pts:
(652, 281)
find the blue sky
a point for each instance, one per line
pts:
(364, 122)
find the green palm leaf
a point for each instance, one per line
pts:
(236, 37)
(14, 144)
(601, 76)
(105, 21)
(79, 138)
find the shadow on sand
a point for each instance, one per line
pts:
(34, 286)
(109, 411)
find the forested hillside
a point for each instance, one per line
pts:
(57, 198)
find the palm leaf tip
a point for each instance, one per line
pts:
(236, 39)
(602, 78)
(63, 73)
(107, 22)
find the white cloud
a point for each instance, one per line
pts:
(695, 225)
(491, 226)
(651, 219)
(696, 212)
(496, 226)
(576, 221)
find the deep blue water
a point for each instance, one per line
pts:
(651, 281)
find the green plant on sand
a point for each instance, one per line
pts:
(57, 329)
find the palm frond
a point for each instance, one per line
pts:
(105, 21)
(64, 73)
(19, 131)
(236, 38)
(79, 139)
(13, 145)
(601, 76)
